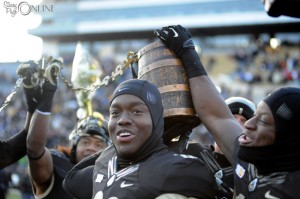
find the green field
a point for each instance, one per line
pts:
(13, 194)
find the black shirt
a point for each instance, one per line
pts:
(217, 163)
(249, 184)
(162, 172)
(13, 149)
(78, 183)
(62, 165)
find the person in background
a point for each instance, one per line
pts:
(5, 179)
(242, 109)
(25, 184)
(48, 167)
(266, 153)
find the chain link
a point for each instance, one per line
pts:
(119, 70)
(12, 94)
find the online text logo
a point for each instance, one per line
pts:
(24, 8)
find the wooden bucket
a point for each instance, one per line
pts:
(160, 66)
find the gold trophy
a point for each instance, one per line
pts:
(86, 70)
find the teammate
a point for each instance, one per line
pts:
(242, 109)
(14, 148)
(266, 154)
(140, 165)
(48, 167)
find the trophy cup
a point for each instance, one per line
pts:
(85, 71)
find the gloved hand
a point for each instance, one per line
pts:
(179, 40)
(53, 69)
(29, 72)
(48, 90)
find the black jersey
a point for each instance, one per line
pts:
(62, 165)
(162, 172)
(13, 149)
(217, 163)
(249, 184)
(79, 181)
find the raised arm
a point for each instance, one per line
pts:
(40, 159)
(215, 114)
(208, 103)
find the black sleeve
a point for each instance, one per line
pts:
(13, 149)
(79, 181)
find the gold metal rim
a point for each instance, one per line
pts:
(173, 88)
(149, 47)
(159, 64)
(179, 111)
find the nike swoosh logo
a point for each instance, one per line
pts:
(269, 196)
(175, 33)
(123, 184)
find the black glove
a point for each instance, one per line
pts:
(179, 40)
(33, 96)
(29, 72)
(53, 69)
(48, 91)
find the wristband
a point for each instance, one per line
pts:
(38, 157)
(32, 98)
(192, 63)
(45, 104)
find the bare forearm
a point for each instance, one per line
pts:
(214, 113)
(208, 102)
(40, 160)
(37, 135)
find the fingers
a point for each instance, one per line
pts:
(165, 32)
(161, 34)
(28, 72)
(170, 31)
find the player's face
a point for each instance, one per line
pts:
(130, 124)
(260, 129)
(87, 146)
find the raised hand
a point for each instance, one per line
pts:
(49, 87)
(53, 69)
(179, 39)
(28, 71)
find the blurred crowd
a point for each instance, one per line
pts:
(266, 65)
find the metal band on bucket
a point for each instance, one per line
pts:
(174, 88)
(159, 64)
(179, 111)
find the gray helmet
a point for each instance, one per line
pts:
(241, 106)
(94, 125)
